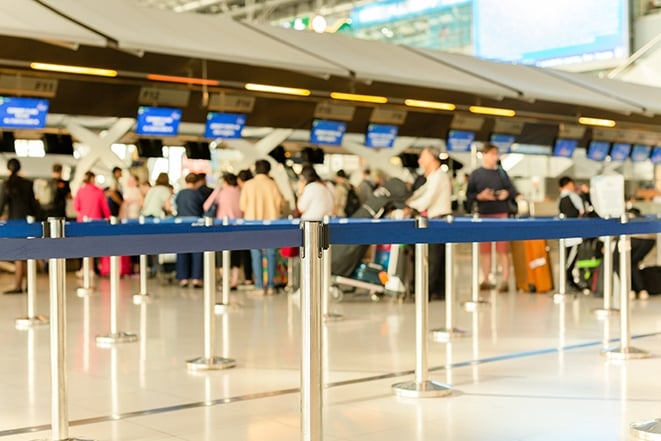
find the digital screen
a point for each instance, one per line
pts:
(598, 150)
(158, 121)
(565, 147)
(620, 151)
(380, 136)
(640, 152)
(502, 141)
(224, 125)
(327, 132)
(23, 113)
(198, 150)
(58, 144)
(149, 148)
(656, 155)
(593, 32)
(460, 140)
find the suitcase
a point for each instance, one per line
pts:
(125, 266)
(652, 279)
(532, 266)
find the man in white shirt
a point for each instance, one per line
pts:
(434, 198)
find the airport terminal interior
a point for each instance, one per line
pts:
(181, 87)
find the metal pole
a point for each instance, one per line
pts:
(421, 387)
(326, 283)
(445, 334)
(226, 270)
(561, 295)
(31, 319)
(625, 351)
(87, 287)
(314, 240)
(494, 264)
(607, 310)
(476, 302)
(114, 336)
(209, 360)
(143, 295)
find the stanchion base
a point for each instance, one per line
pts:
(139, 299)
(474, 305)
(602, 313)
(426, 389)
(626, 353)
(84, 292)
(332, 317)
(66, 439)
(213, 363)
(647, 430)
(111, 339)
(563, 298)
(445, 334)
(31, 322)
(221, 308)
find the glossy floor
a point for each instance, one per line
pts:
(531, 370)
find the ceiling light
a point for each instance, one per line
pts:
(74, 69)
(430, 104)
(356, 97)
(496, 111)
(185, 80)
(596, 122)
(277, 89)
(319, 24)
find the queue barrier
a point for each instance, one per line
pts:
(57, 241)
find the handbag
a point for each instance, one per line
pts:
(512, 207)
(211, 212)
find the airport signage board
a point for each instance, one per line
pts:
(224, 125)
(158, 121)
(23, 113)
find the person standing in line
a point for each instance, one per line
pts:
(17, 196)
(490, 188)
(133, 199)
(261, 200)
(58, 206)
(241, 178)
(204, 187)
(226, 197)
(570, 205)
(366, 186)
(90, 201)
(341, 193)
(114, 192)
(188, 203)
(434, 198)
(315, 199)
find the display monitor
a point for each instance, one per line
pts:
(502, 141)
(380, 136)
(224, 125)
(7, 142)
(327, 132)
(56, 144)
(598, 150)
(312, 155)
(23, 113)
(656, 155)
(564, 147)
(620, 151)
(158, 121)
(150, 148)
(640, 152)
(198, 150)
(460, 140)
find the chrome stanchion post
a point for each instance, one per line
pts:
(143, 295)
(32, 318)
(87, 287)
(475, 302)
(224, 304)
(315, 239)
(625, 351)
(607, 310)
(421, 387)
(115, 336)
(562, 296)
(326, 283)
(58, 346)
(494, 264)
(447, 333)
(209, 360)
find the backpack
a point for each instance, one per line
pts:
(45, 190)
(353, 202)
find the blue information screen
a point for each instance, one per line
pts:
(565, 147)
(620, 151)
(598, 150)
(460, 140)
(656, 155)
(158, 121)
(23, 113)
(224, 125)
(640, 152)
(502, 141)
(327, 132)
(380, 136)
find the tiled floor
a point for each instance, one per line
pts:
(530, 371)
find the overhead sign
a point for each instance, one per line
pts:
(26, 85)
(160, 96)
(467, 122)
(386, 115)
(23, 113)
(224, 125)
(158, 121)
(460, 140)
(225, 102)
(327, 132)
(334, 111)
(380, 136)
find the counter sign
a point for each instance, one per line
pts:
(23, 113)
